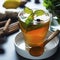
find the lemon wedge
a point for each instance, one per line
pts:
(11, 4)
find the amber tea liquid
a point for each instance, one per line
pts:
(35, 37)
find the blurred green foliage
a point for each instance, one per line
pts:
(53, 6)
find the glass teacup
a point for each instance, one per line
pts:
(34, 26)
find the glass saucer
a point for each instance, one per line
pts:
(49, 50)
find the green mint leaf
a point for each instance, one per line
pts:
(39, 12)
(28, 10)
(33, 27)
(29, 19)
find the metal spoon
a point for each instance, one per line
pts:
(38, 50)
